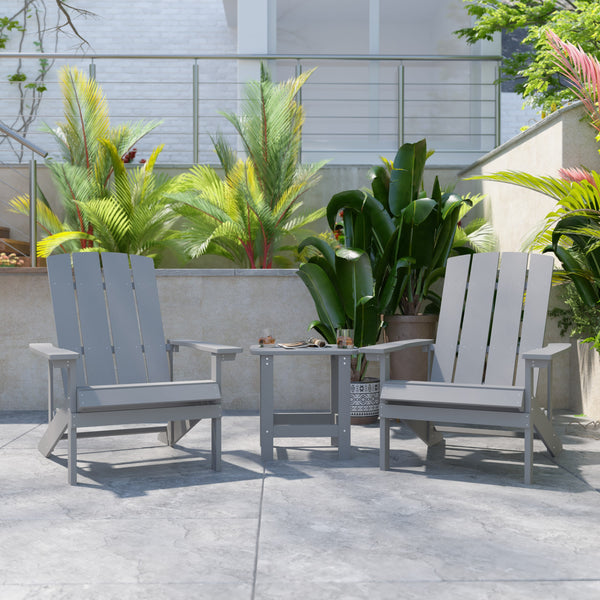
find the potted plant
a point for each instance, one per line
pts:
(408, 237)
(342, 285)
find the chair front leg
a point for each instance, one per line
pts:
(216, 443)
(72, 451)
(384, 444)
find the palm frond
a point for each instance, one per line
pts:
(583, 72)
(86, 115)
(51, 243)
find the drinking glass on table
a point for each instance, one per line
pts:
(345, 338)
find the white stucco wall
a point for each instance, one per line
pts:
(562, 139)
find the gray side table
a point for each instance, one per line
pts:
(334, 424)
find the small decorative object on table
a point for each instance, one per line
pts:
(345, 338)
(309, 343)
(267, 339)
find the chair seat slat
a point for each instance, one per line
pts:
(452, 394)
(123, 397)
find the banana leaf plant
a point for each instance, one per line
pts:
(407, 235)
(341, 284)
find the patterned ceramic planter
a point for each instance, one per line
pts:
(364, 401)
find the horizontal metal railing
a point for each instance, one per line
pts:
(357, 107)
(32, 187)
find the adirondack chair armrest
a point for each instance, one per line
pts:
(59, 358)
(545, 354)
(226, 352)
(541, 358)
(379, 351)
(52, 353)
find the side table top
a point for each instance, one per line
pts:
(329, 350)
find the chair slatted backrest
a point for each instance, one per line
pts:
(491, 310)
(110, 313)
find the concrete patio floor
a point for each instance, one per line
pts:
(148, 521)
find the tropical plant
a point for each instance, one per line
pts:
(248, 215)
(134, 218)
(88, 144)
(407, 235)
(342, 287)
(572, 230)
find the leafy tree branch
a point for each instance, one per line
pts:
(28, 26)
(533, 66)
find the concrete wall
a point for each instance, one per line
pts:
(562, 139)
(227, 306)
(230, 307)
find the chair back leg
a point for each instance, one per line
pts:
(216, 443)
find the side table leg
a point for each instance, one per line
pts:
(266, 407)
(334, 395)
(343, 402)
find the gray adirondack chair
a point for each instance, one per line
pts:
(484, 362)
(117, 367)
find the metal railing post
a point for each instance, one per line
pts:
(195, 113)
(33, 211)
(400, 105)
(299, 101)
(93, 70)
(498, 129)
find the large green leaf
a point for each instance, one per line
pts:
(355, 277)
(380, 185)
(322, 246)
(416, 212)
(367, 324)
(360, 201)
(325, 296)
(407, 175)
(586, 290)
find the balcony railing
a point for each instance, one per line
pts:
(358, 108)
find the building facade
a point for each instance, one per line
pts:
(386, 71)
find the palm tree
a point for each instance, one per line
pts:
(247, 215)
(135, 217)
(87, 165)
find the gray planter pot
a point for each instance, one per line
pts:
(410, 363)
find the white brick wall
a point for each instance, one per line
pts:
(136, 90)
(163, 89)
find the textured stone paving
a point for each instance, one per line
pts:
(147, 521)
